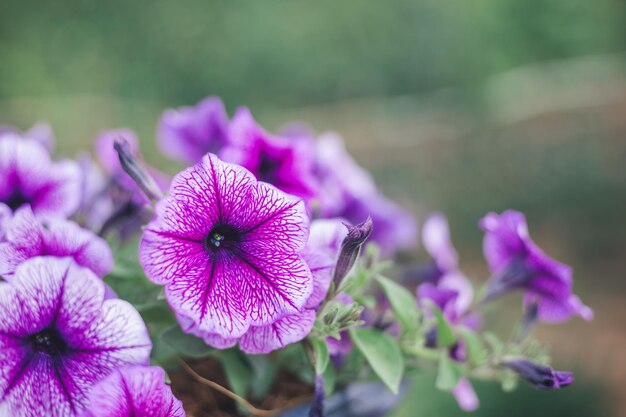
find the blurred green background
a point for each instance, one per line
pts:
(463, 107)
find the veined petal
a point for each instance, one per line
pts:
(289, 329)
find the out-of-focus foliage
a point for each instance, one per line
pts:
(283, 53)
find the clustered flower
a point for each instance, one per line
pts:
(255, 244)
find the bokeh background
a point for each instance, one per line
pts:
(463, 107)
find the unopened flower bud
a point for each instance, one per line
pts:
(350, 249)
(133, 167)
(330, 316)
(539, 376)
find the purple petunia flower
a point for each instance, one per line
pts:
(518, 263)
(320, 255)
(349, 192)
(446, 286)
(228, 249)
(134, 391)
(5, 217)
(286, 162)
(539, 376)
(188, 133)
(29, 177)
(120, 205)
(28, 237)
(59, 337)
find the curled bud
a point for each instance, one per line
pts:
(539, 376)
(133, 167)
(350, 249)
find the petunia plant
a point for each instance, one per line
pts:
(272, 254)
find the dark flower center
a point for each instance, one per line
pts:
(16, 200)
(267, 169)
(49, 341)
(222, 236)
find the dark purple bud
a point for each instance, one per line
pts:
(133, 167)
(539, 376)
(350, 249)
(514, 276)
(317, 407)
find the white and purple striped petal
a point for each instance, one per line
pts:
(134, 391)
(59, 336)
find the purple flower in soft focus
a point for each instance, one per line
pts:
(59, 337)
(29, 177)
(285, 162)
(188, 133)
(39, 132)
(349, 192)
(539, 376)
(446, 286)
(134, 391)
(120, 205)
(228, 249)
(465, 395)
(518, 263)
(320, 254)
(28, 237)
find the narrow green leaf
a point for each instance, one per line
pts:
(330, 378)
(322, 358)
(402, 302)
(185, 344)
(449, 372)
(445, 333)
(476, 351)
(382, 353)
(237, 371)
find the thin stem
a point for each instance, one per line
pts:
(252, 409)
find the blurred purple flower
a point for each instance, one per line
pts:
(285, 162)
(518, 263)
(465, 395)
(120, 205)
(136, 391)
(39, 132)
(349, 192)
(228, 249)
(187, 134)
(539, 376)
(59, 337)
(446, 286)
(28, 237)
(29, 177)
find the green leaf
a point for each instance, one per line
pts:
(320, 350)
(495, 344)
(402, 302)
(185, 344)
(476, 351)
(237, 371)
(330, 379)
(445, 333)
(382, 353)
(264, 371)
(449, 372)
